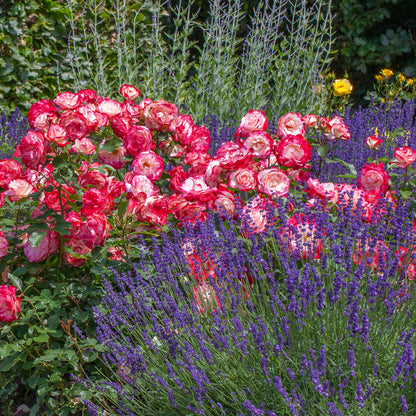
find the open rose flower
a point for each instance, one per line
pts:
(114, 159)
(57, 134)
(293, 151)
(159, 114)
(148, 163)
(18, 189)
(373, 177)
(111, 108)
(138, 139)
(154, 210)
(9, 170)
(75, 124)
(254, 120)
(255, 214)
(273, 182)
(197, 188)
(290, 124)
(41, 115)
(94, 230)
(404, 156)
(67, 100)
(84, 146)
(260, 143)
(243, 179)
(9, 303)
(48, 245)
(32, 150)
(373, 142)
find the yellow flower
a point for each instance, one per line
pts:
(409, 81)
(342, 87)
(401, 78)
(386, 72)
(379, 77)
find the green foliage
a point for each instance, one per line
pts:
(371, 35)
(28, 61)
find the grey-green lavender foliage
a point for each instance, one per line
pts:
(276, 67)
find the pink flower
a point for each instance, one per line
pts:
(225, 201)
(255, 214)
(336, 129)
(110, 108)
(18, 189)
(373, 142)
(95, 230)
(293, 151)
(141, 186)
(41, 115)
(67, 100)
(113, 159)
(273, 182)
(205, 298)
(148, 163)
(290, 124)
(196, 188)
(57, 134)
(154, 210)
(199, 139)
(9, 170)
(75, 124)
(233, 156)
(84, 146)
(129, 92)
(32, 150)
(138, 139)
(243, 179)
(322, 190)
(88, 96)
(213, 172)
(253, 121)
(373, 177)
(404, 156)
(186, 211)
(48, 245)
(4, 244)
(310, 120)
(182, 127)
(9, 304)
(96, 200)
(120, 126)
(159, 114)
(260, 143)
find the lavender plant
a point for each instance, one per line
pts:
(12, 129)
(307, 320)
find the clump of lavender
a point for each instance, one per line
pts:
(215, 323)
(12, 129)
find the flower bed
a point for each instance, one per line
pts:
(278, 274)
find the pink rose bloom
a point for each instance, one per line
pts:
(322, 190)
(172, 148)
(88, 96)
(4, 244)
(273, 182)
(293, 151)
(84, 146)
(41, 115)
(205, 298)
(197, 189)
(75, 124)
(187, 211)
(48, 245)
(338, 129)
(92, 117)
(373, 142)
(213, 172)
(148, 163)
(373, 177)
(9, 170)
(159, 114)
(129, 92)
(404, 156)
(290, 124)
(198, 162)
(57, 134)
(260, 143)
(95, 230)
(154, 210)
(92, 178)
(253, 121)
(120, 126)
(32, 150)
(18, 189)
(199, 139)
(96, 200)
(110, 108)
(67, 100)
(138, 139)
(9, 304)
(113, 159)
(182, 127)
(225, 202)
(233, 156)
(310, 121)
(243, 179)
(141, 187)
(255, 214)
